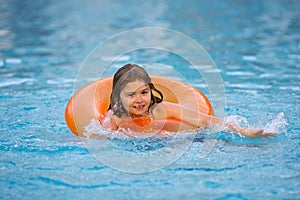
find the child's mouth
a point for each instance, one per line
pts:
(139, 107)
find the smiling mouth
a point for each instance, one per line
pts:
(139, 107)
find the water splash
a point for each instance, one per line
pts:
(149, 144)
(140, 143)
(94, 128)
(236, 120)
(277, 125)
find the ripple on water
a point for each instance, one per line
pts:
(57, 81)
(249, 58)
(13, 61)
(291, 87)
(249, 86)
(240, 73)
(16, 81)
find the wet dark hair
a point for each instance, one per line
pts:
(129, 73)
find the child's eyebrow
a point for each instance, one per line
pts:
(129, 92)
(145, 88)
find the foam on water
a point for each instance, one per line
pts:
(94, 128)
(277, 125)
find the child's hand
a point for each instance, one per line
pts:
(257, 133)
(252, 133)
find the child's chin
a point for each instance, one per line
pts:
(137, 113)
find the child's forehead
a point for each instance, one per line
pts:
(134, 86)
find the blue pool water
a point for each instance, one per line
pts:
(256, 47)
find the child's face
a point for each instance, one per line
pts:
(136, 98)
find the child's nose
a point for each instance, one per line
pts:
(138, 98)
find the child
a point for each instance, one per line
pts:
(135, 110)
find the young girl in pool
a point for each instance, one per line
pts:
(137, 112)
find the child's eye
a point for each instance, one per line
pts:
(130, 95)
(145, 92)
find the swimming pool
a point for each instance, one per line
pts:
(42, 45)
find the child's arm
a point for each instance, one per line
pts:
(109, 122)
(171, 110)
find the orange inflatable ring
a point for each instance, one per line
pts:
(92, 101)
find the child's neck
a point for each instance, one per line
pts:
(141, 120)
(142, 116)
